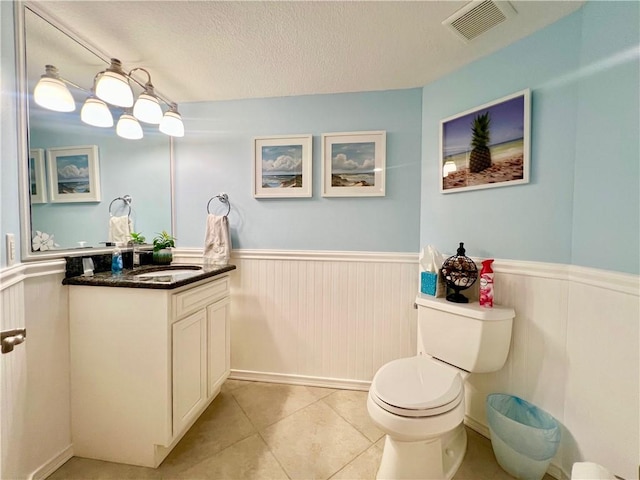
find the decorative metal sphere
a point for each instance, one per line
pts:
(459, 272)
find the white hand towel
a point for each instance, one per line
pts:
(217, 241)
(120, 229)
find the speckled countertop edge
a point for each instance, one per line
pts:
(128, 278)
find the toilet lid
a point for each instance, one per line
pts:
(418, 385)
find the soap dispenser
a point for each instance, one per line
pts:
(116, 261)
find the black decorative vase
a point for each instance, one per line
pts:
(459, 272)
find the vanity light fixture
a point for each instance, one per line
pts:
(171, 123)
(95, 112)
(147, 107)
(449, 167)
(128, 127)
(112, 86)
(52, 93)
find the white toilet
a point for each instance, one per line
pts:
(419, 401)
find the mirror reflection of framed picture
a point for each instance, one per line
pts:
(37, 176)
(74, 174)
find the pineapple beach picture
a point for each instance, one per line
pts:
(487, 146)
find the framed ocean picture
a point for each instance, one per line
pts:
(282, 166)
(487, 146)
(37, 184)
(353, 164)
(74, 174)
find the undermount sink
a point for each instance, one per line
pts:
(163, 273)
(167, 273)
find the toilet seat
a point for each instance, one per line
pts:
(417, 387)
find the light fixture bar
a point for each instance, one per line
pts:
(112, 86)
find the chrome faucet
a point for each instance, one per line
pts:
(135, 255)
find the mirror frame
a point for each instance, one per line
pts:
(27, 254)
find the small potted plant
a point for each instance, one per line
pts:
(138, 238)
(162, 245)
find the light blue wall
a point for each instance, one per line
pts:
(580, 207)
(139, 168)
(606, 212)
(584, 121)
(216, 156)
(9, 212)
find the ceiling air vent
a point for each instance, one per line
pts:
(477, 17)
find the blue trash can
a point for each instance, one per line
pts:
(524, 437)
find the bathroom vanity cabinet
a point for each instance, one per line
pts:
(145, 363)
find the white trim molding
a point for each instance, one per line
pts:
(616, 281)
(21, 271)
(183, 255)
(306, 380)
(52, 465)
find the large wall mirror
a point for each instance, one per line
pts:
(58, 200)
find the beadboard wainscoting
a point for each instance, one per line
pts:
(36, 431)
(333, 318)
(319, 318)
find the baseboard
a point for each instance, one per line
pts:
(291, 379)
(477, 426)
(52, 464)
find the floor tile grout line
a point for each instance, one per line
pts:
(219, 451)
(347, 420)
(260, 431)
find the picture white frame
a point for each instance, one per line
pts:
(74, 174)
(509, 145)
(354, 164)
(282, 166)
(37, 176)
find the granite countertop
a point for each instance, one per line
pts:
(134, 278)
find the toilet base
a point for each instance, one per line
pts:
(433, 459)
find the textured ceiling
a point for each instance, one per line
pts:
(205, 50)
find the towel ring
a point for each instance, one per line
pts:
(224, 198)
(126, 200)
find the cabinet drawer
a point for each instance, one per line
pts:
(196, 298)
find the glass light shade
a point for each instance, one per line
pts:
(448, 167)
(147, 109)
(95, 112)
(128, 127)
(53, 94)
(113, 88)
(171, 124)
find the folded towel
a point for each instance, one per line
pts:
(120, 229)
(217, 241)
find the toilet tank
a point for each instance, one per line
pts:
(466, 335)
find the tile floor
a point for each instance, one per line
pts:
(266, 431)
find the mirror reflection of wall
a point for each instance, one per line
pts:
(139, 168)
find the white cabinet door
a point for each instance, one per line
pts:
(218, 345)
(189, 368)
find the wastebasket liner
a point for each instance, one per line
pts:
(526, 428)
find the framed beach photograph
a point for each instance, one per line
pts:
(353, 164)
(487, 146)
(74, 174)
(37, 176)
(282, 166)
